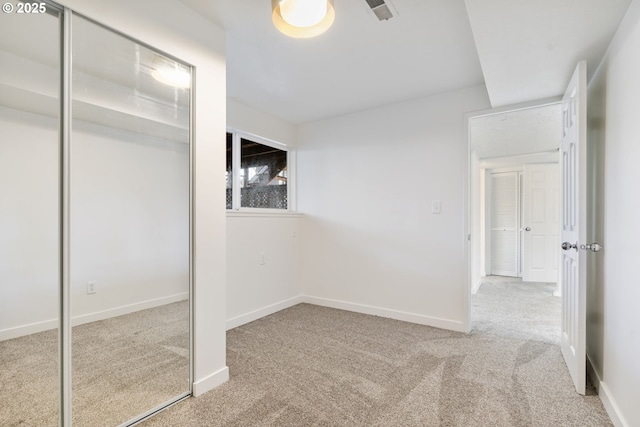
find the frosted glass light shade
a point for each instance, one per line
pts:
(303, 13)
(302, 18)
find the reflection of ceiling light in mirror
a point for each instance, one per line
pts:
(171, 73)
(302, 18)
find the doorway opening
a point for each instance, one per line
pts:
(513, 219)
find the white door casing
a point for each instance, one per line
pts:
(540, 222)
(573, 226)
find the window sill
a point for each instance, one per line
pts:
(262, 214)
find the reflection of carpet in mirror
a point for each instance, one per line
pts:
(29, 380)
(122, 367)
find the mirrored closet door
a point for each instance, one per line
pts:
(95, 247)
(29, 218)
(129, 227)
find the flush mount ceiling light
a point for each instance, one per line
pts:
(302, 18)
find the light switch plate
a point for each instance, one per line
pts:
(436, 207)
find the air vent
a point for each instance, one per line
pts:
(381, 9)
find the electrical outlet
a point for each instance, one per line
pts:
(91, 287)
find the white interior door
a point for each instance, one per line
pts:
(573, 231)
(504, 223)
(540, 225)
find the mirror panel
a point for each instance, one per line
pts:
(29, 218)
(130, 258)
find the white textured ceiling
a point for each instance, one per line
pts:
(517, 133)
(527, 49)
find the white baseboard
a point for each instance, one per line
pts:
(384, 312)
(210, 382)
(265, 311)
(593, 375)
(610, 405)
(127, 309)
(47, 325)
(475, 287)
(32, 328)
(605, 396)
(342, 305)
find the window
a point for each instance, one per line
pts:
(229, 173)
(257, 173)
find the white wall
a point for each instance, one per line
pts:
(130, 221)
(244, 118)
(29, 247)
(613, 328)
(366, 184)
(262, 249)
(130, 228)
(262, 266)
(171, 26)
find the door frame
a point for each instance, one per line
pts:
(467, 217)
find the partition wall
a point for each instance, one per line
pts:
(95, 222)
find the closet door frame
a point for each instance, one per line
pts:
(65, 221)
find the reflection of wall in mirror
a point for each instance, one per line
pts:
(130, 225)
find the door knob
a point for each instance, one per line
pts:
(593, 247)
(527, 229)
(566, 246)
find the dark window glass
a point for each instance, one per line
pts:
(229, 173)
(263, 176)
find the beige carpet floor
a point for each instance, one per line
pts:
(509, 307)
(122, 367)
(315, 366)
